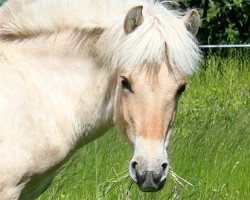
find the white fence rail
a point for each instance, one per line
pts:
(225, 46)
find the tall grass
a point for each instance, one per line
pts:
(210, 147)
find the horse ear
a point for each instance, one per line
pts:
(134, 18)
(191, 20)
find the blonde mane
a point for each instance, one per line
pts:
(162, 32)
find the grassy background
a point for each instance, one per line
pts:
(2, 1)
(209, 147)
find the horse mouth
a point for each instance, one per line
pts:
(151, 187)
(148, 184)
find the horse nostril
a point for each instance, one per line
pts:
(133, 170)
(164, 166)
(134, 165)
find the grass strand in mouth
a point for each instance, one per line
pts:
(209, 148)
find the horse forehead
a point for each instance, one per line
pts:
(159, 78)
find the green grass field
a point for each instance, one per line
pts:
(210, 147)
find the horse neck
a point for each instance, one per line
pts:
(101, 113)
(84, 90)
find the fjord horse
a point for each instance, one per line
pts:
(69, 70)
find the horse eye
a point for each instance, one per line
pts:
(181, 90)
(126, 85)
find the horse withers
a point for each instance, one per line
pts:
(71, 69)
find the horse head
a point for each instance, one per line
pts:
(146, 105)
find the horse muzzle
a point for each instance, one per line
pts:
(149, 181)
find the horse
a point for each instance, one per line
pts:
(71, 70)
